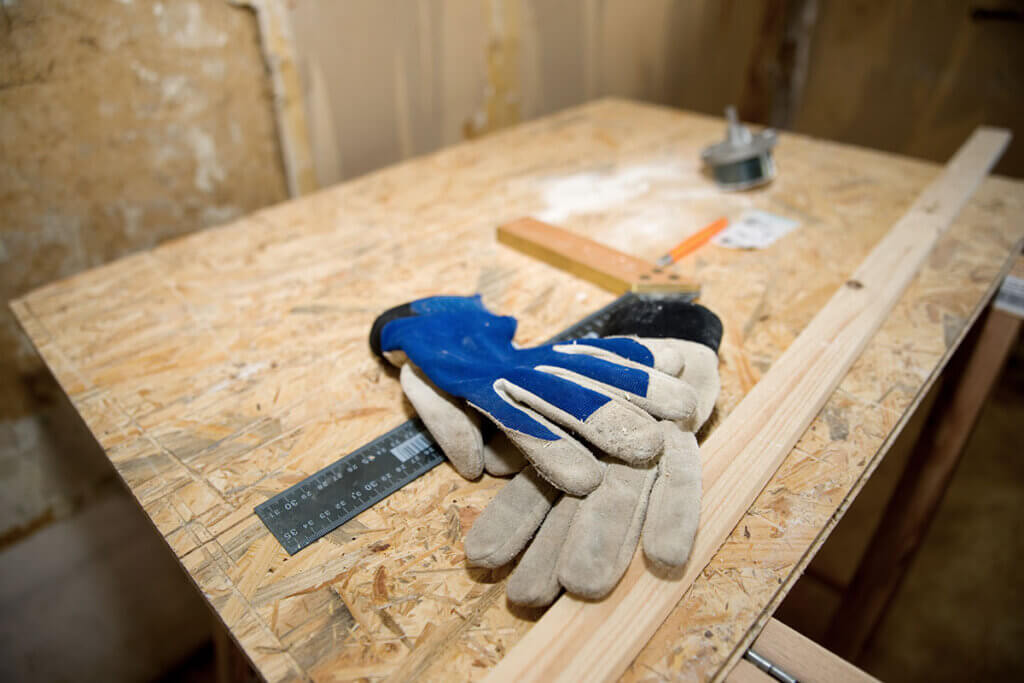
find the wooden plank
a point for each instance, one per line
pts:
(579, 640)
(606, 267)
(922, 485)
(804, 659)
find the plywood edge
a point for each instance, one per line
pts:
(745, 672)
(28, 322)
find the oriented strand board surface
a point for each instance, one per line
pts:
(219, 369)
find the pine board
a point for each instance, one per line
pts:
(592, 261)
(219, 369)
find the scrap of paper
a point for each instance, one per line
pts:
(754, 230)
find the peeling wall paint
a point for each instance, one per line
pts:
(208, 168)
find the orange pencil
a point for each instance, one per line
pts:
(693, 242)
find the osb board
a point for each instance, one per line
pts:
(221, 368)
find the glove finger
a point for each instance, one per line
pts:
(701, 373)
(456, 431)
(604, 533)
(534, 582)
(656, 392)
(557, 456)
(661, 354)
(510, 520)
(673, 511)
(501, 457)
(616, 427)
(666, 398)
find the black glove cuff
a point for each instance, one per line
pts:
(667, 318)
(402, 311)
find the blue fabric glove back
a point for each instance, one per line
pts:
(608, 391)
(465, 349)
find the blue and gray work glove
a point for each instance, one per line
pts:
(635, 399)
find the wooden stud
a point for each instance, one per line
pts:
(283, 66)
(804, 659)
(581, 640)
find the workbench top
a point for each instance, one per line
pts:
(221, 368)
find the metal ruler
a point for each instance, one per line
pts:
(324, 501)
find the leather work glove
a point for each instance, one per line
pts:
(610, 392)
(586, 544)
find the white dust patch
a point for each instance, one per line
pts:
(208, 168)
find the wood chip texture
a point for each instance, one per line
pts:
(219, 369)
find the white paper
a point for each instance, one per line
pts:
(754, 230)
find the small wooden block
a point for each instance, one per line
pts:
(606, 267)
(802, 658)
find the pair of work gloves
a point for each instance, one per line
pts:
(637, 396)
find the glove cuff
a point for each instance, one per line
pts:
(402, 311)
(667, 318)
